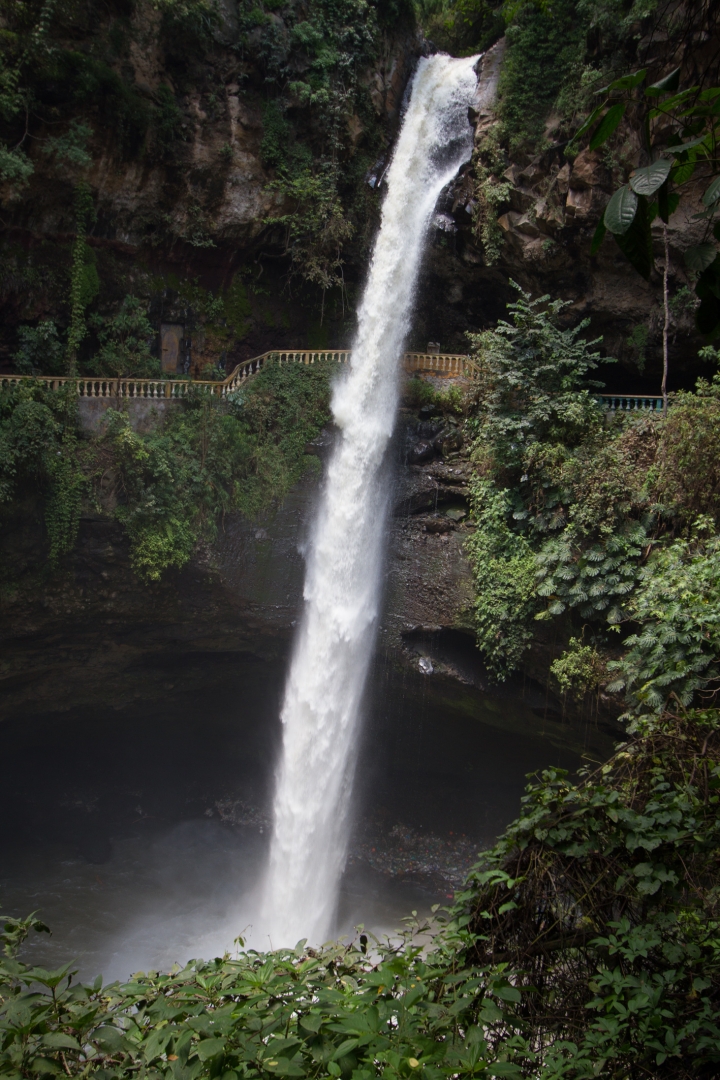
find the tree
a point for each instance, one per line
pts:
(534, 384)
(41, 350)
(124, 344)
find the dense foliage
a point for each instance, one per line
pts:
(585, 943)
(169, 487)
(315, 60)
(607, 523)
(40, 453)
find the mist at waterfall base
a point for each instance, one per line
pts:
(342, 587)
(139, 833)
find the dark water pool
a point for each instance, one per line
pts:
(139, 834)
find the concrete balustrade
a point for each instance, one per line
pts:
(631, 402)
(453, 364)
(449, 365)
(443, 364)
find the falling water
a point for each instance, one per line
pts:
(342, 586)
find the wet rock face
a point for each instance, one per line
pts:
(427, 439)
(429, 580)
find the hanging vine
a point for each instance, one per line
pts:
(82, 289)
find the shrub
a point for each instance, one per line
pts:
(206, 459)
(39, 451)
(41, 350)
(687, 479)
(677, 606)
(124, 344)
(579, 669)
(532, 381)
(504, 572)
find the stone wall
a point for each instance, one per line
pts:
(144, 413)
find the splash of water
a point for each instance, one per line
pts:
(342, 585)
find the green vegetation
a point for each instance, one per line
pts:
(549, 68)
(40, 453)
(124, 341)
(418, 392)
(84, 283)
(545, 50)
(41, 350)
(169, 488)
(314, 123)
(605, 525)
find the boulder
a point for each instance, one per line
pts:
(579, 203)
(588, 171)
(421, 451)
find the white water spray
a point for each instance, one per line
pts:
(342, 585)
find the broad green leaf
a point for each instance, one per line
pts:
(508, 993)
(607, 125)
(209, 1048)
(681, 148)
(667, 202)
(345, 1047)
(45, 1066)
(647, 181)
(598, 237)
(56, 1040)
(620, 211)
(712, 194)
(682, 172)
(672, 103)
(668, 85)
(152, 1048)
(700, 256)
(625, 82)
(311, 1022)
(490, 1013)
(50, 978)
(110, 1039)
(284, 1067)
(589, 122)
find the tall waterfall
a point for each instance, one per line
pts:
(343, 577)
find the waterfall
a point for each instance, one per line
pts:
(344, 567)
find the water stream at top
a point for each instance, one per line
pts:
(343, 577)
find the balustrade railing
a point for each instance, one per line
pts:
(440, 363)
(163, 389)
(631, 402)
